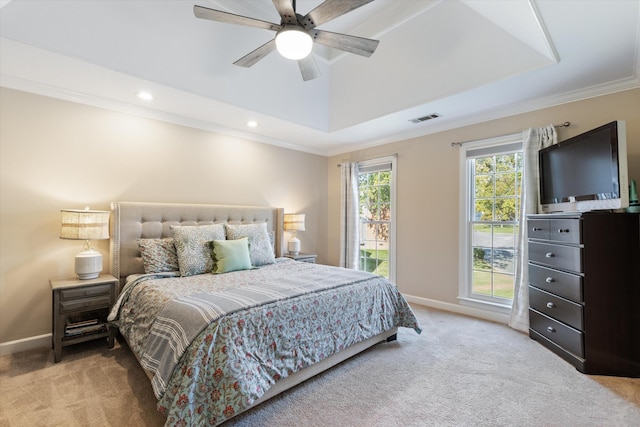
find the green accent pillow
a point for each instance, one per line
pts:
(230, 255)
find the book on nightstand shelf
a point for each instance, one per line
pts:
(81, 323)
(84, 330)
(83, 327)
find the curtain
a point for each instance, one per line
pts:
(533, 140)
(349, 217)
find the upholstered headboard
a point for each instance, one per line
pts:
(131, 221)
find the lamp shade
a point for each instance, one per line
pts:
(84, 224)
(294, 222)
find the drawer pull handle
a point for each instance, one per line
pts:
(551, 305)
(537, 229)
(563, 230)
(549, 280)
(550, 255)
(550, 329)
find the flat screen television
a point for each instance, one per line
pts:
(586, 172)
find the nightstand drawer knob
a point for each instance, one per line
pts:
(550, 329)
(563, 230)
(537, 229)
(550, 255)
(551, 305)
(549, 280)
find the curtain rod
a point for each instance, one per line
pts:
(373, 158)
(562, 125)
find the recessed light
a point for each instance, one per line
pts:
(145, 95)
(252, 124)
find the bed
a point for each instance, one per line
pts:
(220, 321)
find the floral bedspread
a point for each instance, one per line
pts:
(239, 356)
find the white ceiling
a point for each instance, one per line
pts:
(467, 60)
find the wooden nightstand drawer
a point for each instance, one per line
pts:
(85, 303)
(88, 291)
(302, 257)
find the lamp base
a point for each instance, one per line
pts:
(88, 264)
(294, 246)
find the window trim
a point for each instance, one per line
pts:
(383, 161)
(479, 148)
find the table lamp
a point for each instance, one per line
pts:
(294, 223)
(86, 225)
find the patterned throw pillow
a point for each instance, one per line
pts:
(230, 255)
(194, 255)
(158, 255)
(260, 247)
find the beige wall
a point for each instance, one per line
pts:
(56, 154)
(428, 181)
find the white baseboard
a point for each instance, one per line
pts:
(460, 309)
(25, 344)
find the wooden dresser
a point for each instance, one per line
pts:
(584, 289)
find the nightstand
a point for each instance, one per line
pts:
(80, 310)
(303, 257)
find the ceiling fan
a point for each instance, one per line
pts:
(297, 33)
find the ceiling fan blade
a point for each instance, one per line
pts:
(254, 56)
(230, 18)
(286, 11)
(329, 10)
(352, 44)
(308, 68)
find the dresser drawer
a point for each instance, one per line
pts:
(556, 230)
(565, 336)
(557, 282)
(565, 230)
(558, 256)
(556, 307)
(88, 291)
(538, 229)
(85, 303)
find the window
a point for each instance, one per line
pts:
(376, 191)
(490, 220)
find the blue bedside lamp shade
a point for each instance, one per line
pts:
(86, 225)
(294, 222)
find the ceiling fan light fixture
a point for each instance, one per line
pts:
(293, 42)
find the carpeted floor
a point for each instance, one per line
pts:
(460, 372)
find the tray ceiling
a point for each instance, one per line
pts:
(466, 60)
